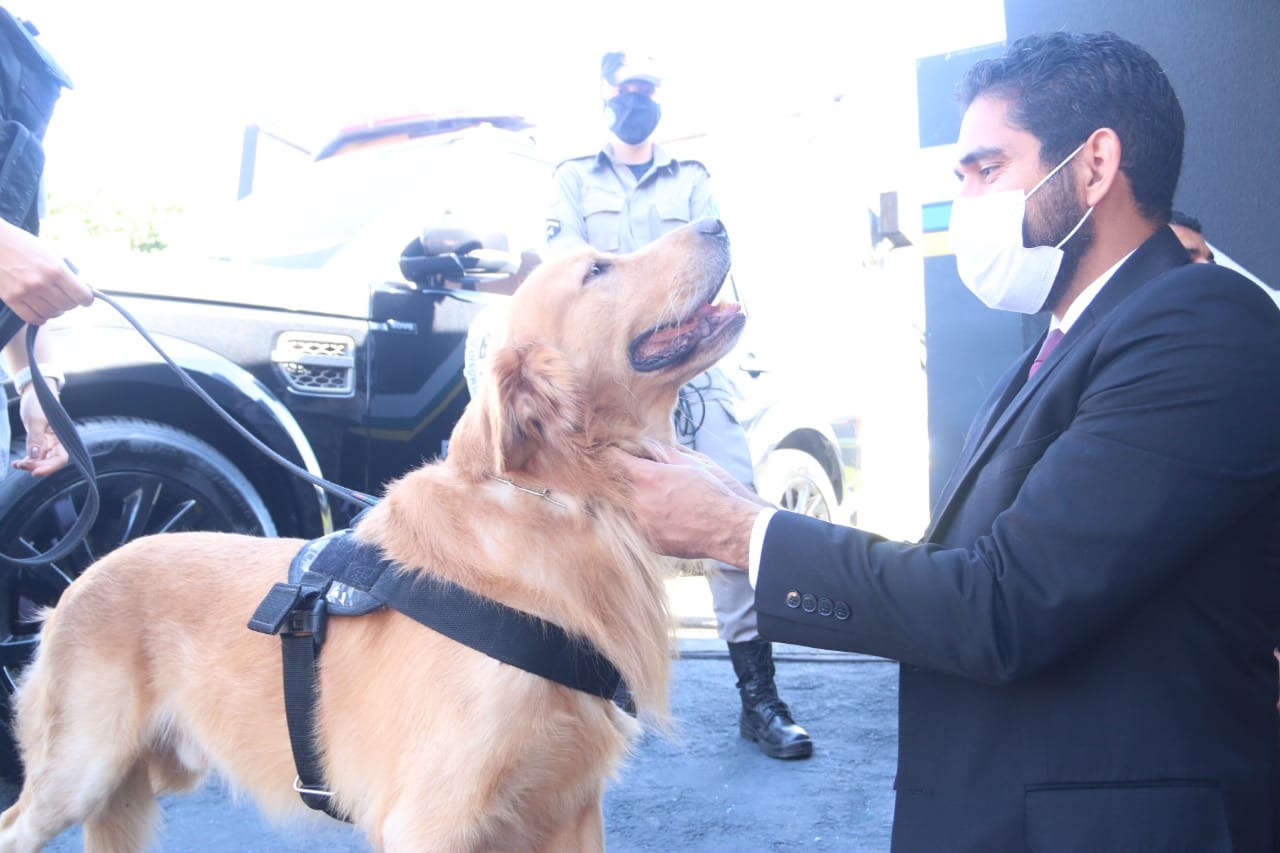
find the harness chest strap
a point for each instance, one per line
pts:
(341, 575)
(298, 613)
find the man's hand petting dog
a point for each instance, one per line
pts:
(687, 506)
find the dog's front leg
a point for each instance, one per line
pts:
(584, 833)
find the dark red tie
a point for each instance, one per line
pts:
(1050, 341)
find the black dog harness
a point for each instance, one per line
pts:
(340, 575)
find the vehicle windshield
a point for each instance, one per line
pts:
(356, 212)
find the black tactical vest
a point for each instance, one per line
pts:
(30, 82)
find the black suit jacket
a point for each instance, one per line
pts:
(1086, 631)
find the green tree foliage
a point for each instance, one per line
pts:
(137, 227)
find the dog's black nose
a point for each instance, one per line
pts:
(710, 227)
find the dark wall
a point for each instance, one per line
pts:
(1223, 58)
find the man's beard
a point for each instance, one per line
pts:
(1057, 211)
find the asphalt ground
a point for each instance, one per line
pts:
(703, 789)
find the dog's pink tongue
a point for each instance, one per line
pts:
(664, 340)
(671, 338)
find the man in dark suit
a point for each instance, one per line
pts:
(1086, 630)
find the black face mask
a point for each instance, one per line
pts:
(632, 116)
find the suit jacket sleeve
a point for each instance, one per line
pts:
(1157, 439)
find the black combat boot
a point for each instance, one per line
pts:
(765, 718)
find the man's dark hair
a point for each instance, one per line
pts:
(1186, 221)
(1061, 87)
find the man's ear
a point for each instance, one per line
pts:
(535, 406)
(1100, 157)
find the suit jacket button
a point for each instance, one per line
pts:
(824, 606)
(793, 598)
(808, 603)
(842, 610)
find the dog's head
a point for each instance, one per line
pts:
(597, 346)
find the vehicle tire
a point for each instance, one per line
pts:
(795, 481)
(151, 478)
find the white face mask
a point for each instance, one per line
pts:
(986, 237)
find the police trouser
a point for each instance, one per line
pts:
(705, 422)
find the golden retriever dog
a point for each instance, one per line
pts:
(147, 677)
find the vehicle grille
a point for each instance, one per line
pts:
(316, 364)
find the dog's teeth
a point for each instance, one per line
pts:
(718, 309)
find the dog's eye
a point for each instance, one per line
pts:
(598, 268)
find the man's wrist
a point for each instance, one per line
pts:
(733, 536)
(758, 528)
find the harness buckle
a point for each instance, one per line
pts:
(275, 608)
(294, 609)
(307, 620)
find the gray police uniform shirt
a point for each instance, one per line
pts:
(600, 202)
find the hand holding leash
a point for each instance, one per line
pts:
(35, 283)
(46, 451)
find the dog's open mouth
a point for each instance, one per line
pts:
(673, 344)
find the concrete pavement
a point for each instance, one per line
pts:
(708, 790)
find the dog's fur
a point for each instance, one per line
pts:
(147, 676)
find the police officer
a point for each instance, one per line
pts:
(35, 284)
(618, 200)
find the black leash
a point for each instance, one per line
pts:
(79, 456)
(319, 482)
(691, 409)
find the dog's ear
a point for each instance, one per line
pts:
(535, 405)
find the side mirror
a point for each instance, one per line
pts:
(492, 261)
(452, 239)
(424, 269)
(448, 255)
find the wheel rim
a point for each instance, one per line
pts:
(133, 504)
(802, 495)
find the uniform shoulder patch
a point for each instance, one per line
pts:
(584, 160)
(694, 164)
